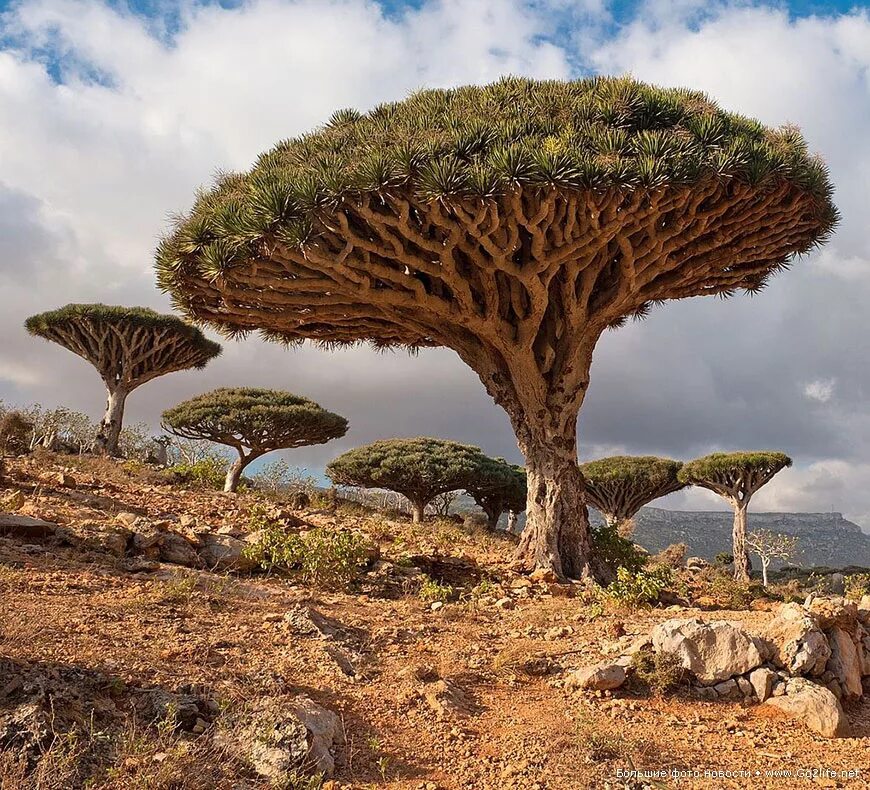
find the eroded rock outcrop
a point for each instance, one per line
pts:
(712, 651)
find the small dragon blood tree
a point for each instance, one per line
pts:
(735, 477)
(128, 346)
(619, 486)
(513, 223)
(498, 486)
(253, 422)
(420, 469)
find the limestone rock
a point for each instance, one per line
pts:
(297, 735)
(445, 698)
(25, 526)
(713, 651)
(833, 610)
(762, 682)
(794, 642)
(746, 688)
(727, 689)
(13, 501)
(815, 705)
(324, 734)
(224, 552)
(845, 663)
(600, 677)
(175, 549)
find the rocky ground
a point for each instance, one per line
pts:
(120, 669)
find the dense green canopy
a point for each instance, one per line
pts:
(471, 143)
(727, 473)
(736, 477)
(259, 419)
(419, 469)
(498, 486)
(136, 343)
(128, 346)
(621, 485)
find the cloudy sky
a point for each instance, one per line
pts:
(112, 115)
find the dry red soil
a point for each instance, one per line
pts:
(507, 721)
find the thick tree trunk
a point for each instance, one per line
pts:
(418, 511)
(492, 517)
(110, 427)
(738, 542)
(556, 536)
(234, 473)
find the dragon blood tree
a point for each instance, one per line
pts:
(498, 486)
(420, 469)
(128, 346)
(619, 486)
(735, 477)
(513, 223)
(253, 422)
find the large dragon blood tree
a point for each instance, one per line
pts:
(513, 223)
(128, 346)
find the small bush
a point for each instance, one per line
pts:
(661, 672)
(640, 588)
(857, 586)
(15, 430)
(432, 590)
(723, 559)
(207, 472)
(321, 557)
(615, 550)
(730, 593)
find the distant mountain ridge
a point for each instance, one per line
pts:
(823, 538)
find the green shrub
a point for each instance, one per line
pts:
(640, 588)
(662, 671)
(857, 586)
(432, 590)
(207, 472)
(730, 593)
(615, 550)
(320, 557)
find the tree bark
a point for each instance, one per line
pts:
(418, 511)
(234, 473)
(738, 542)
(492, 517)
(556, 536)
(113, 419)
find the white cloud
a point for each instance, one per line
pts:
(821, 390)
(146, 112)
